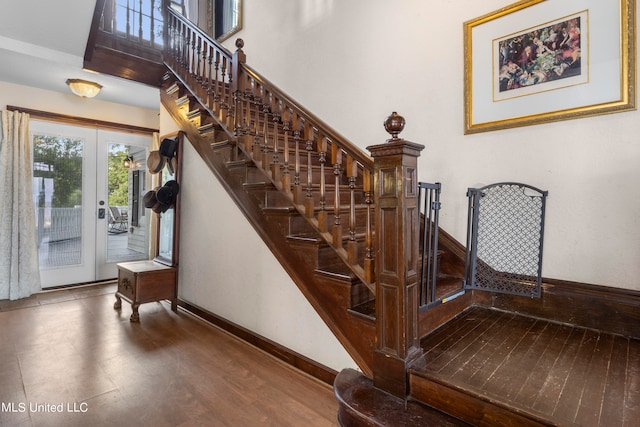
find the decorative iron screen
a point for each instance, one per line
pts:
(504, 241)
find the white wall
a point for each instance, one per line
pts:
(354, 62)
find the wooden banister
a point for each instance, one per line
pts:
(260, 119)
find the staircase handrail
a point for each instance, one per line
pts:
(331, 133)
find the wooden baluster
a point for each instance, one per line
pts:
(266, 149)
(276, 113)
(257, 103)
(252, 121)
(192, 59)
(185, 52)
(352, 244)
(266, 112)
(216, 90)
(180, 47)
(209, 82)
(247, 96)
(323, 215)
(265, 138)
(187, 43)
(308, 202)
(222, 114)
(237, 85)
(369, 266)
(170, 41)
(248, 99)
(230, 97)
(336, 159)
(297, 186)
(195, 67)
(286, 127)
(198, 65)
(179, 44)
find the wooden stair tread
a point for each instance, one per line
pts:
(361, 404)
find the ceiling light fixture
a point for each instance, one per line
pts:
(84, 88)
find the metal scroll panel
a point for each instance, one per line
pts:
(505, 239)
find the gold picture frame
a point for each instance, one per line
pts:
(540, 61)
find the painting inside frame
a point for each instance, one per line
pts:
(514, 74)
(549, 56)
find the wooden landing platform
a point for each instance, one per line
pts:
(490, 367)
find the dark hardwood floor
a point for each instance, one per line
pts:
(565, 375)
(71, 351)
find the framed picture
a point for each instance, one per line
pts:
(538, 61)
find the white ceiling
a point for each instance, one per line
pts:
(42, 44)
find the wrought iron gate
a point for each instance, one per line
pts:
(429, 205)
(504, 239)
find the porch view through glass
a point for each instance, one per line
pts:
(57, 189)
(57, 184)
(123, 212)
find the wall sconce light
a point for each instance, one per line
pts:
(128, 163)
(84, 88)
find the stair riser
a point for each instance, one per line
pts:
(320, 254)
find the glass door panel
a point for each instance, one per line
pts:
(63, 183)
(123, 234)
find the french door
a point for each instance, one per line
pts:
(88, 184)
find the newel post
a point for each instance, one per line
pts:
(237, 84)
(396, 246)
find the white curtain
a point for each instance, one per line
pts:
(19, 271)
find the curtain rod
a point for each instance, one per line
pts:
(81, 121)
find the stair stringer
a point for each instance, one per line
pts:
(330, 300)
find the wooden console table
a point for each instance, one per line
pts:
(145, 281)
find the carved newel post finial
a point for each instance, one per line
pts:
(239, 43)
(394, 124)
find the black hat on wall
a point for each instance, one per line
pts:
(160, 199)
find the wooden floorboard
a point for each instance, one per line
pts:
(172, 369)
(555, 372)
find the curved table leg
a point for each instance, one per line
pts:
(135, 316)
(118, 304)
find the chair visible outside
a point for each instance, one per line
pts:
(118, 221)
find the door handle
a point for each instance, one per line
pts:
(101, 213)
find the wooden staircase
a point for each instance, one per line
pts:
(336, 293)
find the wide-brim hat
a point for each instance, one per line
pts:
(161, 199)
(168, 147)
(155, 162)
(167, 194)
(149, 199)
